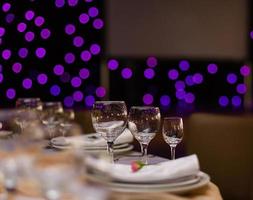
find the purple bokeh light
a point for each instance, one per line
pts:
(212, 68)
(112, 64)
(27, 83)
(70, 29)
(93, 12)
(223, 101)
(189, 98)
(165, 100)
(173, 74)
(42, 79)
(6, 54)
(17, 67)
(40, 52)
(68, 101)
(180, 85)
(84, 18)
(55, 90)
(126, 73)
(236, 101)
(72, 3)
(231, 78)
(184, 65)
(45, 33)
(89, 100)
(39, 21)
(251, 34)
(29, 36)
(149, 73)
(76, 82)
(78, 41)
(95, 49)
(100, 92)
(148, 99)
(180, 94)
(85, 56)
(2, 31)
(98, 23)
(84, 73)
(69, 58)
(151, 61)
(241, 88)
(6, 7)
(1, 78)
(29, 15)
(21, 27)
(245, 70)
(11, 93)
(188, 80)
(197, 78)
(58, 70)
(23, 52)
(59, 3)
(78, 96)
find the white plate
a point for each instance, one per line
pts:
(4, 134)
(177, 188)
(116, 150)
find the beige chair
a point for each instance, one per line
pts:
(224, 145)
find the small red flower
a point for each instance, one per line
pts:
(136, 166)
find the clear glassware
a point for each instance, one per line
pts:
(51, 116)
(67, 120)
(173, 132)
(144, 123)
(27, 104)
(109, 118)
(56, 173)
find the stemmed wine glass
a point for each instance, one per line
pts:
(173, 133)
(27, 104)
(51, 117)
(68, 117)
(144, 123)
(109, 118)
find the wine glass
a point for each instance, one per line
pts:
(109, 118)
(173, 133)
(27, 104)
(144, 123)
(51, 117)
(68, 117)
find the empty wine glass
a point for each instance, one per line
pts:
(109, 118)
(173, 132)
(27, 104)
(51, 116)
(144, 123)
(68, 117)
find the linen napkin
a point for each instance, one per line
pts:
(91, 140)
(172, 169)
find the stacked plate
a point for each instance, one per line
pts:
(179, 176)
(94, 142)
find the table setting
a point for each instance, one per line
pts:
(48, 157)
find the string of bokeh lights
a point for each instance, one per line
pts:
(35, 30)
(182, 85)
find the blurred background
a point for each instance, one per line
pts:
(190, 58)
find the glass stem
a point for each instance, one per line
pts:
(110, 151)
(173, 152)
(144, 153)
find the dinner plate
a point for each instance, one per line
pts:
(200, 180)
(118, 149)
(5, 134)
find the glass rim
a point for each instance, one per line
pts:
(29, 98)
(109, 102)
(144, 107)
(52, 103)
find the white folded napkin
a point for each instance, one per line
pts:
(91, 140)
(172, 169)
